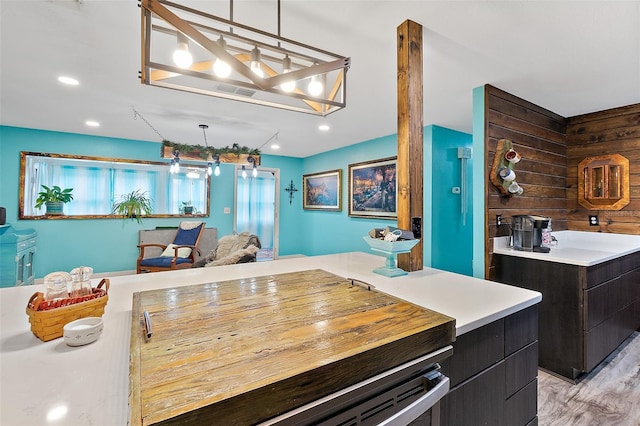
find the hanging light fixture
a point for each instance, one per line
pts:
(216, 171)
(315, 86)
(238, 62)
(244, 172)
(254, 171)
(255, 62)
(290, 85)
(220, 67)
(181, 56)
(175, 163)
(204, 127)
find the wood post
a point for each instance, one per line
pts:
(409, 167)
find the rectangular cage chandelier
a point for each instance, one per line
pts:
(189, 50)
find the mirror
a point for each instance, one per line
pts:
(98, 183)
(603, 182)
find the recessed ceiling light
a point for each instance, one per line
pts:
(92, 123)
(68, 80)
(324, 127)
(275, 146)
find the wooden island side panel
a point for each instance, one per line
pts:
(243, 351)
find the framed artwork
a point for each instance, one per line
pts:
(372, 189)
(322, 191)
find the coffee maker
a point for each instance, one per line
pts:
(527, 233)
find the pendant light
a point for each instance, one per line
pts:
(181, 56)
(288, 86)
(315, 86)
(255, 62)
(220, 67)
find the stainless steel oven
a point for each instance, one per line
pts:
(397, 397)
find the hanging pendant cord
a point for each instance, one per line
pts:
(204, 127)
(269, 140)
(136, 114)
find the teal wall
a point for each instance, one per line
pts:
(451, 237)
(64, 244)
(110, 244)
(336, 232)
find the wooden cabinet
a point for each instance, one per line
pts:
(17, 254)
(603, 182)
(493, 373)
(585, 313)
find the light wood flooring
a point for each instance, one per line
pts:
(608, 396)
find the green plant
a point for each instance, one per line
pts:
(55, 194)
(133, 205)
(186, 207)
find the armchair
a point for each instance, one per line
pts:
(236, 248)
(179, 254)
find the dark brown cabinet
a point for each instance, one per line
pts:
(585, 313)
(493, 374)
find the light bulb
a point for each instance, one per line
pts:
(176, 166)
(255, 62)
(216, 171)
(244, 172)
(315, 86)
(254, 173)
(288, 86)
(209, 170)
(220, 67)
(181, 56)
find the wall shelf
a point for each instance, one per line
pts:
(499, 162)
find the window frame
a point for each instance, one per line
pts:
(121, 163)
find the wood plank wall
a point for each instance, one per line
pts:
(539, 136)
(614, 131)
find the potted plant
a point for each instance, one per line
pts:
(54, 198)
(133, 205)
(186, 208)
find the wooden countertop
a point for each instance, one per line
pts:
(243, 351)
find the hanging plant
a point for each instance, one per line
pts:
(205, 153)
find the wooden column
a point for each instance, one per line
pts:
(410, 137)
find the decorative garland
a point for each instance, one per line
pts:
(205, 152)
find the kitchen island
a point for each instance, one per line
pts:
(51, 382)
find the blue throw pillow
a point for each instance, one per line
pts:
(187, 236)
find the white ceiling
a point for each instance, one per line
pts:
(570, 57)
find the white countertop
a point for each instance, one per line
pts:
(578, 247)
(52, 383)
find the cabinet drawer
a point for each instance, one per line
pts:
(607, 299)
(521, 368)
(522, 407)
(520, 329)
(23, 245)
(475, 351)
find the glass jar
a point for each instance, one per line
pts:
(81, 285)
(57, 285)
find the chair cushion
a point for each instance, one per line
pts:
(162, 261)
(170, 252)
(187, 237)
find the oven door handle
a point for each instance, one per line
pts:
(420, 405)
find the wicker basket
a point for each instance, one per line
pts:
(47, 320)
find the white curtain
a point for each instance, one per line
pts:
(256, 206)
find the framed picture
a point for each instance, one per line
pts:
(372, 189)
(322, 191)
